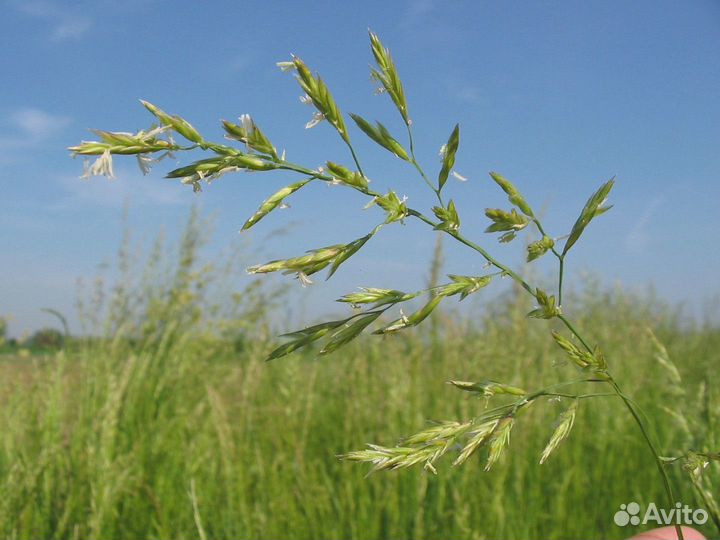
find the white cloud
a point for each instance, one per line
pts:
(36, 124)
(467, 93)
(25, 129)
(240, 63)
(65, 24)
(71, 28)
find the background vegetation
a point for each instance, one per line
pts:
(168, 424)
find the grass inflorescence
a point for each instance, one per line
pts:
(594, 381)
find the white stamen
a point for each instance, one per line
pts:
(101, 167)
(372, 202)
(169, 154)
(153, 133)
(192, 181)
(304, 279)
(247, 123)
(145, 163)
(221, 172)
(285, 66)
(86, 169)
(459, 176)
(316, 119)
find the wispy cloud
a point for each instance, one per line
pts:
(240, 63)
(24, 129)
(467, 93)
(65, 24)
(638, 238)
(37, 124)
(129, 186)
(71, 28)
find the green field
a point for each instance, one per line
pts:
(173, 426)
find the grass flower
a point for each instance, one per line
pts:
(315, 120)
(102, 166)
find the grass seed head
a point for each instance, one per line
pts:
(499, 440)
(562, 430)
(448, 156)
(321, 97)
(178, 124)
(380, 134)
(388, 77)
(547, 309)
(479, 437)
(513, 194)
(448, 216)
(463, 285)
(395, 208)
(537, 249)
(488, 388)
(272, 202)
(593, 208)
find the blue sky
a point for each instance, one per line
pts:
(558, 96)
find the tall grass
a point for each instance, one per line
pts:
(170, 425)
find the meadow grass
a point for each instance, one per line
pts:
(173, 426)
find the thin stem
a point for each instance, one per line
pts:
(489, 258)
(581, 396)
(355, 159)
(653, 450)
(575, 332)
(548, 391)
(539, 226)
(427, 181)
(410, 137)
(561, 259)
(419, 169)
(641, 425)
(286, 165)
(710, 504)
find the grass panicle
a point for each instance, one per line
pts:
(427, 447)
